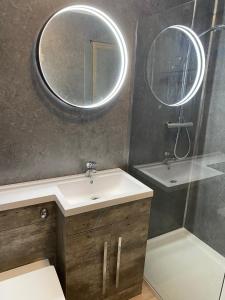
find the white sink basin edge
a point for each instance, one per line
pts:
(181, 173)
(75, 194)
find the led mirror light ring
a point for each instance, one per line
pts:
(121, 43)
(203, 61)
(200, 63)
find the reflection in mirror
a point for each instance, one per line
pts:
(174, 78)
(82, 56)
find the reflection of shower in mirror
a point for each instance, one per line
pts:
(175, 78)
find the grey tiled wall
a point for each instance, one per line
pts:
(150, 138)
(38, 140)
(206, 209)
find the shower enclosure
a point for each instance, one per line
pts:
(179, 151)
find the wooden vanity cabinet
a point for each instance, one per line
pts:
(26, 237)
(101, 254)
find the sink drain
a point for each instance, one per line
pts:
(173, 181)
(94, 198)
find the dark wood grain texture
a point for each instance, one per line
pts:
(106, 216)
(134, 234)
(60, 248)
(84, 236)
(76, 245)
(24, 216)
(25, 237)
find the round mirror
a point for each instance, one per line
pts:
(82, 56)
(176, 65)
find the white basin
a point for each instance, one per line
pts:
(75, 194)
(108, 188)
(179, 173)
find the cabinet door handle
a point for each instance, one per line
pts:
(118, 262)
(105, 267)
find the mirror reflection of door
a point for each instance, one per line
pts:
(101, 69)
(105, 70)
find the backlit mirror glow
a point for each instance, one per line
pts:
(82, 56)
(176, 77)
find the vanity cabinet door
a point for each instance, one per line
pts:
(101, 253)
(87, 264)
(128, 256)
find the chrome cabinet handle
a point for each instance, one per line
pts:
(105, 267)
(118, 262)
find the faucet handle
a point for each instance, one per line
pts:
(91, 165)
(167, 154)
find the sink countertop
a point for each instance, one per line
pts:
(183, 172)
(74, 194)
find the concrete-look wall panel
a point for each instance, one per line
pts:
(38, 140)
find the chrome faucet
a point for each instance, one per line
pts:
(168, 159)
(91, 170)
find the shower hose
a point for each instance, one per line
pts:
(178, 136)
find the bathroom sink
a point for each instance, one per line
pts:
(108, 188)
(178, 174)
(75, 194)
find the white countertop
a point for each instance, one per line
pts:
(69, 192)
(181, 173)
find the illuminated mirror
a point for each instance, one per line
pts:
(176, 65)
(82, 56)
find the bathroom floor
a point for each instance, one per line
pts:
(147, 293)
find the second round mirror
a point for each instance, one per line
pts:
(175, 66)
